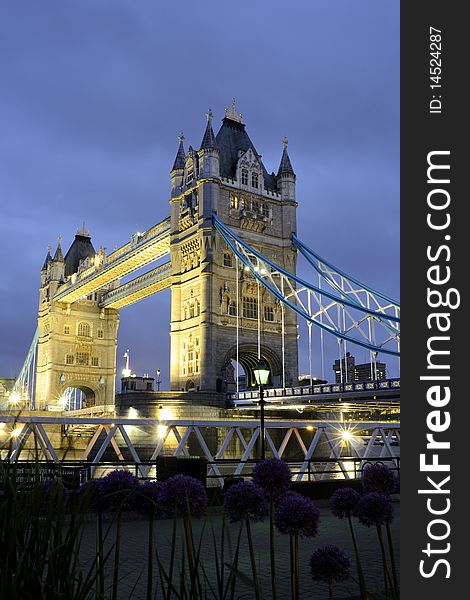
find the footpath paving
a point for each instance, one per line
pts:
(133, 563)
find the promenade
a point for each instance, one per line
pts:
(133, 570)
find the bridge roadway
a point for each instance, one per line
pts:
(140, 251)
(386, 391)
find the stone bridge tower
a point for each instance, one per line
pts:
(226, 175)
(77, 342)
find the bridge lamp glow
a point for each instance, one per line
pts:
(133, 413)
(63, 401)
(15, 398)
(16, 432)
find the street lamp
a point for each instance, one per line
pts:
(261, 373)
(158, 381)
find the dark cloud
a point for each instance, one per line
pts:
(94, 93)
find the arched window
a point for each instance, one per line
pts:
(244, 176)
(269, 313)
(254, 180)
(250, 308)
(66, 329)
(228, 260)
(84, 329)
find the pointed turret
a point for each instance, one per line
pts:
(285, 168)
(57, 269)
(208, 141)
(58, 256)
(180, 155)
(47, 260)
(286, 176)
(177, 172)
(209, 152)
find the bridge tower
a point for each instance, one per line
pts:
(219, 312)
(77, 342)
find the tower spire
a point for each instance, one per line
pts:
(208, 141)
(58, 256)
(285, 167)
(180, 155)
(48, 259)
(232, 113)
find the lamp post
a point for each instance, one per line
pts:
(158, 381)
(262, 375)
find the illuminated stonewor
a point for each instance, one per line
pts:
(227, 175)
(219, 313)
(76, 341)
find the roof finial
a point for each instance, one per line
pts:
(209, 115)
(181, 137)
(48, 248)
(232, 113)
(59, 239)
(285, 142)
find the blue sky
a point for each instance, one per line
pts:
(94, 93)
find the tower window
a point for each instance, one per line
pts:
(250, 308)
(100, 333)
(95, 361)
(254, 180)
(69, 359)
(83, 358)
(232, 309)
(228, 262)
(66, 329)
(84, 329)
(234, 201)
(244, 176)
(269, 313)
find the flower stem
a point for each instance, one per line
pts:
(252, 558)
(387, 578)
(392, 561)
(296, 549)
(360, 572)
(330, 588)
(117, 549)
(150, 558)
(271, 547)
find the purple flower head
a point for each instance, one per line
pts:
(344, 502)
(245, 500)
(330, 563)
(297, 515)
(118, 490)
(379, 478)
(273, 475)
(375, 509)
(53, 493)
(148, 500)
(183, 495)
(91, 493)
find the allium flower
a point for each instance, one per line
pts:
(344, 502)
(375, 509)
(297, 515)
(273, 475)
(117, 490)
(245, 500)
(379, 478)
(92, 492)
(148, 500)
(330, 563)
(185, 495)
(52, 491)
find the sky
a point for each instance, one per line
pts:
(93, 94)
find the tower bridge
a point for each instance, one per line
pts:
(233, 248)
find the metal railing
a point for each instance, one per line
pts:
(317, 390)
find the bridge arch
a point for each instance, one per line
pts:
(248, 360)
(90, 395)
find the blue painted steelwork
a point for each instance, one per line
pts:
(25, 382)
(245, 252)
